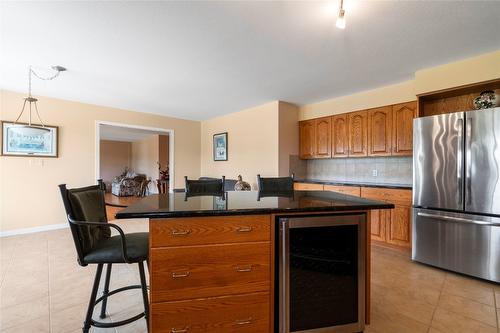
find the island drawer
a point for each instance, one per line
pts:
(189, 272)
(248, 313)
(209, 230)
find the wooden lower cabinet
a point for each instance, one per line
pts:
(392, 227)
(399, 228)
(379, 220)
(350, 190)
(247, 313)
(307, 187)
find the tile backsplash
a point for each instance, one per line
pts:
(388, 169)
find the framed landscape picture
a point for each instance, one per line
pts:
(220, 147)
(18, 139)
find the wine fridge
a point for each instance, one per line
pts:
(321, 273)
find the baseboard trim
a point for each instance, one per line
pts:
(24, 231)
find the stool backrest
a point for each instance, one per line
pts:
(275, 184)
(85, 204)
(205, 186)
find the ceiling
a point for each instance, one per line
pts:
(198, 60)
(127, 134)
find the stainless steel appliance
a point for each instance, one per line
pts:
(322, 274)
(456, 192)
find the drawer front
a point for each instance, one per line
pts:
(307, 187)
(242, 313)
(396, 196)
(350, 190)
(209, 230)
(190, 272)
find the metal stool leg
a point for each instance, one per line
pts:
(105, 292)
(93, 295)
(144, 293)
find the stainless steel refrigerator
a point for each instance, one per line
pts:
(456, 192)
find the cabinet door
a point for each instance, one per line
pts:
(398, 228)
(379, 131)
(340, 140)
(379, 219)
(323, 138)
(306, 149)
(357, 123)
(402, 128)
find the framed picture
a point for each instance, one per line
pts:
(21, 140)
(220, 147)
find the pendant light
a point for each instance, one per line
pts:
(341, 16)
(31, 101)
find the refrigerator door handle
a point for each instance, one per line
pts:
(468, 160)
(460, 161)
(458, 219)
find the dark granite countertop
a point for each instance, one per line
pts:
(354, 183)
(246, 203)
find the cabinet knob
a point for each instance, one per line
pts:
(179, 330)
(177, 275)
(244, 229)
(176, 232)
(243, 321)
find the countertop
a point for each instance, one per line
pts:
(245, 203)
(353, 183)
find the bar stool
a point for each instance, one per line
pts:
(86, 212)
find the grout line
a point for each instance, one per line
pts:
(439, 299)
(9, 263)
(48, 282)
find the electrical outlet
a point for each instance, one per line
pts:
(375, 173)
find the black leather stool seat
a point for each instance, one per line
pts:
(109, 250)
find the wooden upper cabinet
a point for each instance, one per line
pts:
(340, 141)
(323, 137)
(379, 131)
(402, 128)
(307, 138)
(357, 128)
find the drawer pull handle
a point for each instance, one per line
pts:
(176, 275)
(180, 232)
(179, 330)
(243, 321)
(244, 229)
(244, 268)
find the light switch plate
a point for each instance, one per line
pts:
(375, 173)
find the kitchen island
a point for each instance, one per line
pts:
(213, 259)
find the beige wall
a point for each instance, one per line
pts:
(252, 144)
(145, 155)
(477, 69)
(115, 156)
(28, 186)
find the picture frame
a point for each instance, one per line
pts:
(220, 145)
(34, 141)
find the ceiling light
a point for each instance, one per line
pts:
(32, 100)
(341, 16)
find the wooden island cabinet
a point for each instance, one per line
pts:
(213, 269)
(382, 131)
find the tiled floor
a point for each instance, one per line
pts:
(42, 289)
